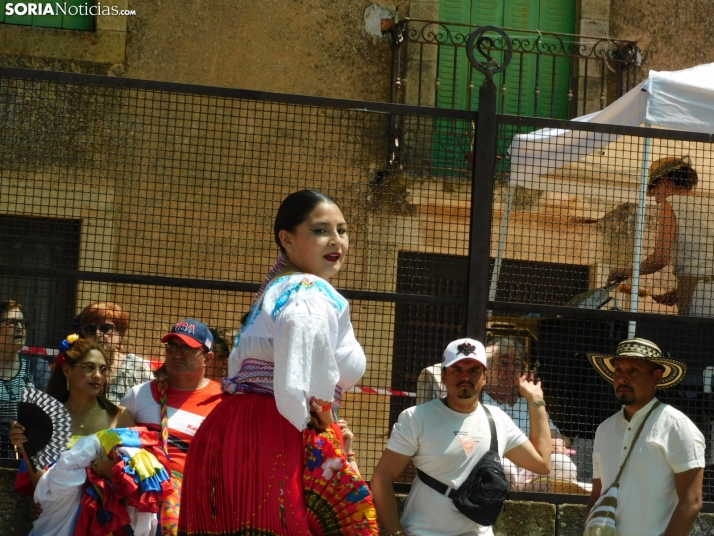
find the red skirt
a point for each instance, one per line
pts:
(250, 472)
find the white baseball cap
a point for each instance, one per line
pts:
(464, 349)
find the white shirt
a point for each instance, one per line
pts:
(302, 325)
(693, 247)
(446, 445)
(669, 443)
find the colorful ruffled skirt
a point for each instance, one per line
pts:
(250, 472)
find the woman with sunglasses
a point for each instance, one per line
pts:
(79, 381)
(16, 370)
(106, 324)
(270, 459)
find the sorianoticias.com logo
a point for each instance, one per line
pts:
(61, 8)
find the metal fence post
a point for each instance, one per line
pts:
(483, 177)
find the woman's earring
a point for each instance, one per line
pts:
(68, 385)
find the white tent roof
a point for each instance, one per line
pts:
(576, 161)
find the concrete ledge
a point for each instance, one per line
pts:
(14, 508)
(518, 518)
(526, 519)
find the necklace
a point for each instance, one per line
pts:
(87, 414)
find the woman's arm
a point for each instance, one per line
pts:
(348, 437)
(305, 369)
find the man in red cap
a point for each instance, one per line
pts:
(177, 403)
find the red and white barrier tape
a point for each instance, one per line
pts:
(379, 391)
(38, 350)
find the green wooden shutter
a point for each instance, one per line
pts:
(451, 139)
(525, 74)
(556, 16)
(57, 20)
(526, 70)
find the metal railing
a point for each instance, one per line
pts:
(559, 76)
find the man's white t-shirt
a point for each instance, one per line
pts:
(669, 443)
(446, 445)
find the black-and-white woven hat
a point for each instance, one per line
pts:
(674, 371)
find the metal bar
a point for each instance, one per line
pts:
(502, 239)
(603, 81)
(536, 91)
(468, 28)
(454, 78)
(482, 186)
(585, 90)
(552, 90)
(639, 231)
(538, 122)
(437, 80)
(520, 84)
(264, 96)
(421, 72)
(234, 286)
(571, 97)
(596, 314)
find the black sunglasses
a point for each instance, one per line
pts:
(91, 329)
(13, 322)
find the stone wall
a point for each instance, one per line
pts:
(518, 518)
(310, 47)
(672, 35)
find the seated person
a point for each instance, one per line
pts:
(106, 324)
(505, 358)
(16, 370)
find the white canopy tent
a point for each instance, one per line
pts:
(580, 162)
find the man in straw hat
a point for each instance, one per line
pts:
(685, 238)
(660, 489)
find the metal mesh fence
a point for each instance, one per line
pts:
(161, 197)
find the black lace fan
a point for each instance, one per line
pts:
(48, 426)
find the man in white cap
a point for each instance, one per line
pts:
(660, 488)
(446, 438)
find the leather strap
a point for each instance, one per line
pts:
(448, 490)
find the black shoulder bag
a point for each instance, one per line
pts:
(481, 496)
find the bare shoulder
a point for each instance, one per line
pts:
(124, 418)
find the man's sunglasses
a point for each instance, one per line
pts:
(91, 329)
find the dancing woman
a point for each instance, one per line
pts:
(270, 460)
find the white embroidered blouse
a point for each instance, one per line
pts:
(302, 325)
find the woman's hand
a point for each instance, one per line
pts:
(35, 510)
(618, 275)
(102, 465)
(347, 435)
(17, 436)
(668, 298)
(320, 415)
